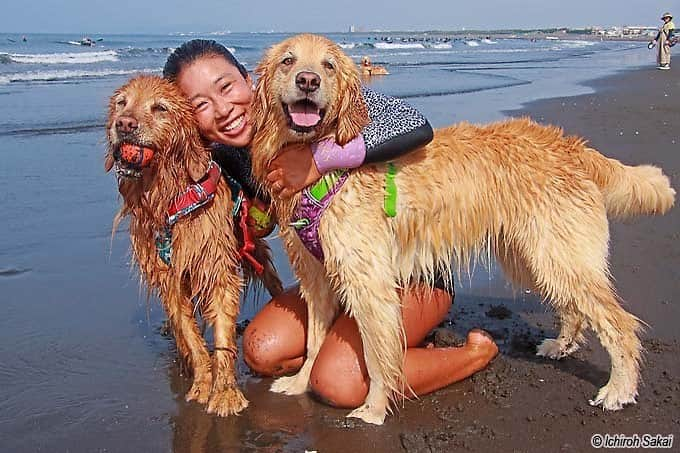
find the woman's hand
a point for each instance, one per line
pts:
(293, 170)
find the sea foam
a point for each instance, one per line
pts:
(64, 58)
(62, 75)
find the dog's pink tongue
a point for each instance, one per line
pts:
(304, 114)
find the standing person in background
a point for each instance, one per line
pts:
(664, 39)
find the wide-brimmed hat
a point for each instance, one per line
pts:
(665, 15)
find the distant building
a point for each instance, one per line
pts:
(351, 29)
(627, 31)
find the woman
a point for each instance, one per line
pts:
(220, 90)
(664, 38)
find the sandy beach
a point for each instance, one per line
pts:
(84, 365)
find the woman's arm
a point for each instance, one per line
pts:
(395, 129)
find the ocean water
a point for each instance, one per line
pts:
(82, 363)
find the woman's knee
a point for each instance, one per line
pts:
(274, 341)
(339, 374)
(346, 390)
(259, 351)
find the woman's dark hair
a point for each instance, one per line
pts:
(192, 50)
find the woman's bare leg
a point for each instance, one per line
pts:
(274, 342)
(340, 377)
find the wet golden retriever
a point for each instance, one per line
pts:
(194, 263)
(537, 199)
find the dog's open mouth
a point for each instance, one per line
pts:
(303, 116)
(131, 158)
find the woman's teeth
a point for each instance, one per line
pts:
(234, 124)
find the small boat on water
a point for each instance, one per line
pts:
(86, 41)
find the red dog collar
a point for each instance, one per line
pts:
(196, 195)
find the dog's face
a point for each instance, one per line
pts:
(149, 122)
(309, 88)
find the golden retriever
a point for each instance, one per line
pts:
(537, 199)
(202, 271)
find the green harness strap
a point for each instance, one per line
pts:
(390, 206)
(324, 185)
(319, 190)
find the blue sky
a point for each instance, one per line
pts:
(160, 16)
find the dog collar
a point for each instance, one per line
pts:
(196, 195)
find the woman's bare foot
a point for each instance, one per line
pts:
(480, 341)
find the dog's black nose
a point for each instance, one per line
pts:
(126, 124)
(307, 81)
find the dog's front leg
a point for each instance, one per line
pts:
(225, 398)
(322, 309)
(190, 343)
(367, 280)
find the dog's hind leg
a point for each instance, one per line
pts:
(322, 309)
(570, 337)
(225, 397)
(570, 264)
(516, 269)
(190, 344)
(618, 331)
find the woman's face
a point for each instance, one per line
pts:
(221, 100)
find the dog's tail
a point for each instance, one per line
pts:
(629, 191)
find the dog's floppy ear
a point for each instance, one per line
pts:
(262, 103)
(196, 157)
(265, 144)
(352, 113)
(197, 167)
(189, 149)
(108, 162)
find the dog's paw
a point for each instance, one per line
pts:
(291, 385)
(227, 402)
(612, 398)
(200, 389)
(374, 415)
(553, 348)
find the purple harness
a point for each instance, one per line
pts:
(308, 215)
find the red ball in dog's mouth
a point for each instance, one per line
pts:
(136, 156)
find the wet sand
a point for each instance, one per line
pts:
(101, 377)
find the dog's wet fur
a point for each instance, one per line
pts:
(205, 274)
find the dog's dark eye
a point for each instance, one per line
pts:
(328, 65)
(159, 108)
(288, 61)
(121, 102)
